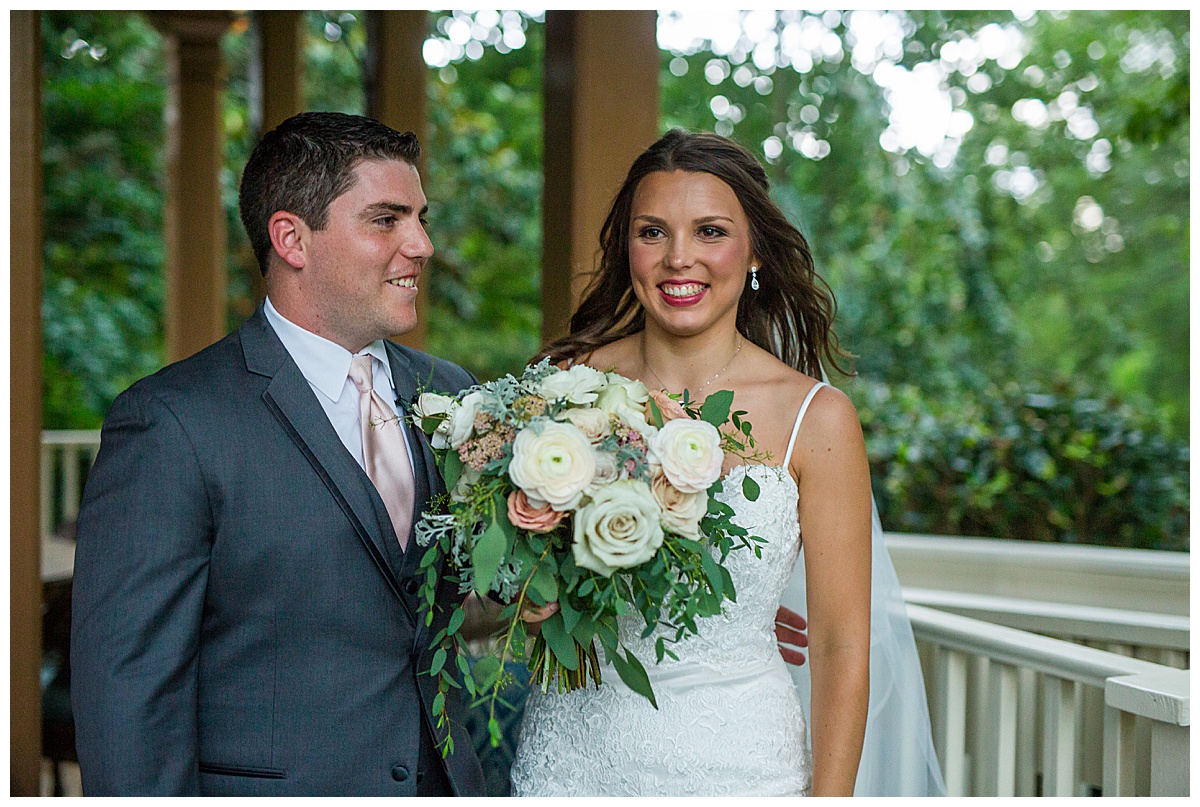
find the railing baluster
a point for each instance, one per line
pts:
(1120, 753)
(1027, 729)
(1058, 736)
(1000, 755)
(70, 495)
(979, 716)
(46, 514)
(1170, 772)
(949, 705)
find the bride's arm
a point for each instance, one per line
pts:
(830, 461)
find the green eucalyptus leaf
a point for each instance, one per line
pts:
(457, 617)
(544, 580)
(560, 642)
(715, 409)
(750, 488)
(634, 675)
(486, 670)
(487, 554)
(439, 661)
(452, 466)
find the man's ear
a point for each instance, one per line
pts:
(289, 237)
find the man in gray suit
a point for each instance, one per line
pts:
(245, 618)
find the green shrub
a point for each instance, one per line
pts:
(1060, 465)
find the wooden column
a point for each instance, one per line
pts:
(281, 55)
(25, 401)
(193, 217)
(395, 80)
(600, 112)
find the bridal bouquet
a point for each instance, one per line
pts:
(584, 488)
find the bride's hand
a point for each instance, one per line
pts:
(535, 615)
(789, 633)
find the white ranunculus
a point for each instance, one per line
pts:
(553, 467)
(462, 419)
(627, 398)
(681, 512)
(432, 404)
(594, 423)
(578, 385)
(690, 453)
(618, 529)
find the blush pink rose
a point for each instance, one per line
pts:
(670, 408)
(535, 519)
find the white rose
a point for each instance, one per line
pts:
(690, 453)
(626, 398)
(618, 529)
(594, 423)
(579, 385)
(681, 512)
(462, 419)
(607, 471)
(554, 467)
(434, 405)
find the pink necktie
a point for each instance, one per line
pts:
(385, 456)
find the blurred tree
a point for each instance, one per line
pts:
(484, 161)
(102, 143)
(1044, 237)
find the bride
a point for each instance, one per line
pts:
(704, 285)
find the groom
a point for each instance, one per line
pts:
(245, 611)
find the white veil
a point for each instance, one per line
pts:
(898, 757)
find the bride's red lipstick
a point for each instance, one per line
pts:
(680, 302)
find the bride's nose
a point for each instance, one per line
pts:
(678, 254)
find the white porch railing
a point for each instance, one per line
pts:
(1018, 714)
(1160, 638)
(66, 456)
(1107, 577)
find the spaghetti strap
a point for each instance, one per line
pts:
(787, 460)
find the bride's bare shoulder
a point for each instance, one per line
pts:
(615, 356)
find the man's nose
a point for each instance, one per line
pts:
(417, 245)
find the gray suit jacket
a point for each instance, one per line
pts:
(244, 620)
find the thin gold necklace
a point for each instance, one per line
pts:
(704, 386)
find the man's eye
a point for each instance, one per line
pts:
(385, 221)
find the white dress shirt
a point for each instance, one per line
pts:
(326, 367)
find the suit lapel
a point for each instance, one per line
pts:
(428, 481)
(293, 402)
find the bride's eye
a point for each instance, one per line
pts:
(650, 231)
(709, 231)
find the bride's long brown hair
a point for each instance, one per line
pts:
(791, 314)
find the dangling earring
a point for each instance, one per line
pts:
(754, 277)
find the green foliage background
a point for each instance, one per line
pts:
(1020, 374)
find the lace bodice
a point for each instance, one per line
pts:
(745, 630)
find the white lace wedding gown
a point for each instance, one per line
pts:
(729, 720)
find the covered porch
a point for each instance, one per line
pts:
(1051, 670)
